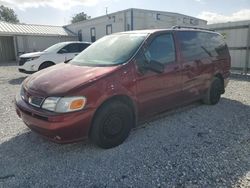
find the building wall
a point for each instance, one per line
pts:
(117, 21)
(145, 19)
(131, 19)
(7, 52)
(25, 44)
(237, 36)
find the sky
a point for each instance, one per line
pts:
(60, 12)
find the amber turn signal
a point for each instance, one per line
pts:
(77, 104)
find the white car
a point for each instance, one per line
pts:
(58, 53)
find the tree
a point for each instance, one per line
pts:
(80, 17)
(8, 15)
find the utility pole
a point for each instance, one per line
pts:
(106, 10)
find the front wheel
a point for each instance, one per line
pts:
(213, 94)
(112, 124)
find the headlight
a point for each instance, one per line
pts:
(33, 58)
(64, 104)
(50, 103)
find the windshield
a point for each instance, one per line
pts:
(55, 47)
(110, 50)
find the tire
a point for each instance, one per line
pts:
(45, 65)
(213, 94)
(112, 124)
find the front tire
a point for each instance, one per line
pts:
(213, 94)
(112, 124)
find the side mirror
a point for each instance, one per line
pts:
(154, 66)
(63, 51)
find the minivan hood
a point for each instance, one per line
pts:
(61, 78)
(32, 54)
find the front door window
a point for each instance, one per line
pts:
(161, 49)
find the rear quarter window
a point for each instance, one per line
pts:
(198, 45)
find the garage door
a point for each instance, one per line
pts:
(7, 52)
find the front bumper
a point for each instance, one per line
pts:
(29, 67)
(25, 71)
(60, 128)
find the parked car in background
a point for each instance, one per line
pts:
(121, 79)
(58, 53)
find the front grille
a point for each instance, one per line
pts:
(22, 61)
(36, 101)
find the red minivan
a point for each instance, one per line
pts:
(121, 79)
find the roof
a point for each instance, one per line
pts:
(143, 31)
(177, 28)
(30, 29)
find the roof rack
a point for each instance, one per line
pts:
(190, 27)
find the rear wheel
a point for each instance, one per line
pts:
(112, 124)
(213, 94)
(45, 65)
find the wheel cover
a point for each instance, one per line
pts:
(112, 126)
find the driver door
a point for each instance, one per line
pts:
(157, 92)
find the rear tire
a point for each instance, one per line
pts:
(112, 124)
(45, 65)
(213, 94)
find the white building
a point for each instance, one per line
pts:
(237, 36)
(130, 19)
(16, 39)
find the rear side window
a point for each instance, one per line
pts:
(199, 45)
(162, 49)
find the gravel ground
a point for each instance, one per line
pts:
(193, 146)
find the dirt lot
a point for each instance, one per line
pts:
(193, 146)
